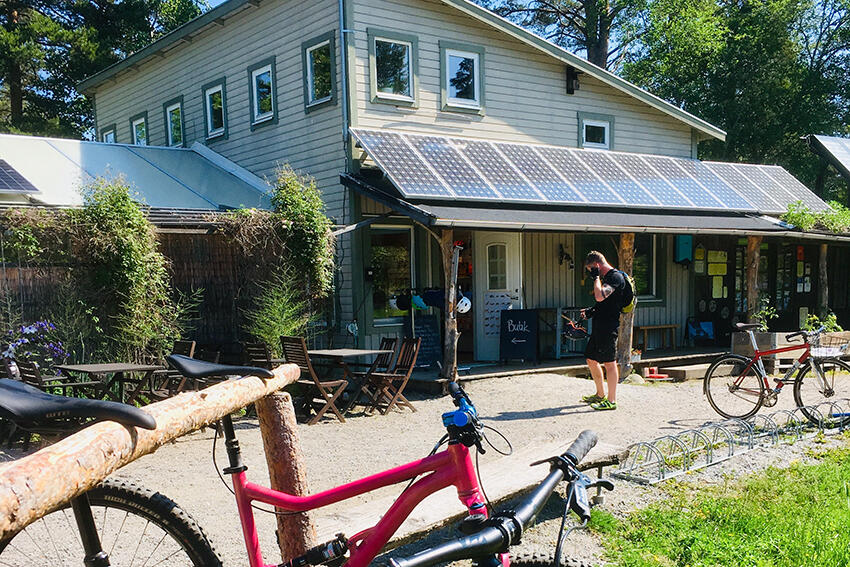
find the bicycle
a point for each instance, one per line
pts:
(188, 545)
(737, 386)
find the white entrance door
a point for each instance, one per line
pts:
(497, 286)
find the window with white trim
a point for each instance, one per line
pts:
(393, 69)
(174, 124)
(463, 78)
(319, 73)
(214, 105)
(139, 129)
(596, 134)
(262, 85)
(108, 136)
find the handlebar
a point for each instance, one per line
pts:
(805, 334)
(505, 529)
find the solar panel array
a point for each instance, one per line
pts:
(838, 147)
(13, 182)
(442, 167)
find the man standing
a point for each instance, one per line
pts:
(608, 285)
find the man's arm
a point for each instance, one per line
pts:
(600, 290)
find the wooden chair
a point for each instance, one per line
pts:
(388, 386)
(321, 394)
(167, 383)
(257, 354)
(382, 363)
(186, 348)
(31, 374)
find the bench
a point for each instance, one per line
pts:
(665, 330)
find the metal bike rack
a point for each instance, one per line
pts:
(672, 455)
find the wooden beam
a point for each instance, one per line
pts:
(823, 282)
(450, 335)
(753, 256)
(34, 485)
(626, 258)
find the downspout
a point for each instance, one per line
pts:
(343, 50)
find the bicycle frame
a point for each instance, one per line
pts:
(452, 466)
(759, 354)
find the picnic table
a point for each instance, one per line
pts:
(120, 373)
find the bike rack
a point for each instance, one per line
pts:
(670, 456)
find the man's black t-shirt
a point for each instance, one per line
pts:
(606, 313)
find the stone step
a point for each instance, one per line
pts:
(688, 372)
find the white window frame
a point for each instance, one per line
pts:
(133, 124)
(598, 123)
(210, 91)
(168, 110)
(255, 114)
(105, 134)
(310, 89)
(393, 96)
(462, 102)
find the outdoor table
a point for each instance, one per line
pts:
(116, 372)
(338, 356)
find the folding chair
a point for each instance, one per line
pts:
(257, 354)
(167, 383)
(30, 374)
(388, 386)
(322, 394)
(382, 363)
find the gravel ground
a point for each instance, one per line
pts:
(526, 409)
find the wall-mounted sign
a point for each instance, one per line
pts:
(717, 256)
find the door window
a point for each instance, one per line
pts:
(497, 266)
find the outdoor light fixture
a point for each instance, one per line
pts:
(563, 255)
(572, 79)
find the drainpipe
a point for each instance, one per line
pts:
(343, 50)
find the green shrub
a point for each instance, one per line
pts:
(279, 310)
(830, 323)
(835, 219)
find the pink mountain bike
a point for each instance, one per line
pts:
(120, 524)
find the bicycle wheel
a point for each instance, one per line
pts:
(136, 527)
(732, 392)
(545, 559)
(810, 391)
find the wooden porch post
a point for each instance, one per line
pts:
(626, 256)
(753, 256)
(450, 335)
(287, 473)
(823, 283)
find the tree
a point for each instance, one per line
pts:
(48, 46)
(603, 30)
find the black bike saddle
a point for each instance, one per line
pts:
(25, 405)
(194, 368)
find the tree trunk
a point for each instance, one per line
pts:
(450, 335)
(598, 32)
(823, 283)
(753, 256)
(32, 486)
(287, 473)
(14, 75)
(626, 256)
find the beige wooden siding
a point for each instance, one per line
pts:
(525, 93)
(309, 142)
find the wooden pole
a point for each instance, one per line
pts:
(753, 256)
(823, 282)
(450, 336)
(34, 485)
(287, 473)
(626, 257)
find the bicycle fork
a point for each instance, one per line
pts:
(95, 556)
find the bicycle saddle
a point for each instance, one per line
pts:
(748, 326)
(194, 368)
(24, 404)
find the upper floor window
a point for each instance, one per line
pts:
(174, 122)
(215, 109)
(319, 60)
(595, 131)
(139, 129)
(392, 67)
(263, 95)
(462, 77)
(108, 134)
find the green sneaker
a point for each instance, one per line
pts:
(592, 399)
(605, 404)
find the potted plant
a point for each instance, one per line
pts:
(635, 355)
(765, 340)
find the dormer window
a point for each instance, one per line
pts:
(595, 131)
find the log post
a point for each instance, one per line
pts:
(753, 256)
(287, 473)
(823, 283)
(32, 486)
(450, 335)
(626, 257)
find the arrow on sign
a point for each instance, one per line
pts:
(515, 341)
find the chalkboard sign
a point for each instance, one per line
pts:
(427, 328)
(518, 336)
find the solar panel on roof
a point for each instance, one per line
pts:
(792, 185)
(761, 199)
(13, 182)
(504, 178)
(838, 147)
(674, 175)
(759, 176)
(652, 181)
(403, 166)
(724, 193)
(544, 178)
(451, 166)
(591, 187)
(619, 180)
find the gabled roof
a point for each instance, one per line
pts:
(184, 32)
(170, 178)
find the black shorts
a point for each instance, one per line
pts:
(602, 346)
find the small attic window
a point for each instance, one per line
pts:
(595, 131)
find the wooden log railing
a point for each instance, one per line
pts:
(34, 485)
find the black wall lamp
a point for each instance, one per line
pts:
(565, 256)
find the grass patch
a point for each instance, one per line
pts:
(780, 517)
